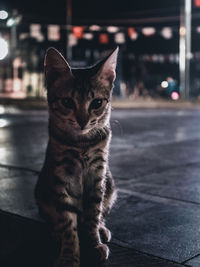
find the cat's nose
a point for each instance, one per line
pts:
(82, 122)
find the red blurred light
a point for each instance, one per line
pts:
(78, 31)
(175, 95)
(131, 31)
(103, 38)
(197, 3)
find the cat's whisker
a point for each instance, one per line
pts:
(117, 123)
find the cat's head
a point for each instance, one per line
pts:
(79, 99)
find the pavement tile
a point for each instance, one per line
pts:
(13, 172)
(154, 157)
(195, 262)
(17, 196)
(123, 257)
(26, 243)
(168, 229)
(147, 160)
(179, 183)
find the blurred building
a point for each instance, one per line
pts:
(151, 39)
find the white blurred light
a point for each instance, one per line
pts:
(88, 36)
(134, 36)
(72, 40)
(17, 84)
(120, 38)
(182, 31)
(53, 32)
(167, 32)
(198, 29)
(3, 48)
(3, 123)
(3, 14)
(95, 28)
(112, 29)
(161, 58)
(2, 110)
(23, 36)
(148, 31)
(175, 95)
(164, 84)
(10, 22)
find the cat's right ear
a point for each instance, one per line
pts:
(55, 64)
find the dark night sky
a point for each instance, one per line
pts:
(54, 11)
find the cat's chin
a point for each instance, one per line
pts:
(79, 131)
(85, 131)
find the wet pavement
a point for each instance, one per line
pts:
(155, 159)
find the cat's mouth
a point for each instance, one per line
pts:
(85, 131)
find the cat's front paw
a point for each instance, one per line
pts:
(63, 262)
(102, 252)
(105, 234)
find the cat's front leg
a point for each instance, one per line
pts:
(105, 233)
(63, 227)
(110, 196)
(93, 208)
(67, 232)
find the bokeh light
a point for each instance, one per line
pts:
(4, 48)
(164, 84)
(10, 22)
(3, 14)
(175, 95)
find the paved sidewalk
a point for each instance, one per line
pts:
(155, 161)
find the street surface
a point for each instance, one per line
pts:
(155, 159)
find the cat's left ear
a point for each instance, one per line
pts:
(55, 64)
(108, 69)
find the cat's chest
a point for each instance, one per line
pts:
(94, 159)
(81, 165)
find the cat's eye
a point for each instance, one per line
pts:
(96, 103)
(68, 103)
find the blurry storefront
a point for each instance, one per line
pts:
(148, 57)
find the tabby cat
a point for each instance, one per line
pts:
(75, 189)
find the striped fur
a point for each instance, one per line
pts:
(75, 189)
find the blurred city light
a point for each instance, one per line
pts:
(112, 29)
(167, 32)
(149, 31)
(120, 38)
(88, 36)
(4, 48)
(164, 84)
(3, 14)
(10, 22)
(3, 123)
(132, 33)
(53, 32)
(182, 31)
(103, 38)
(95, 28)
(175, 95)
(198, 29)
(2, 109)
(197, 3)
(77, 31)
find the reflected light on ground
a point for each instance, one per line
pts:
(181, 134)
(3, 123)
